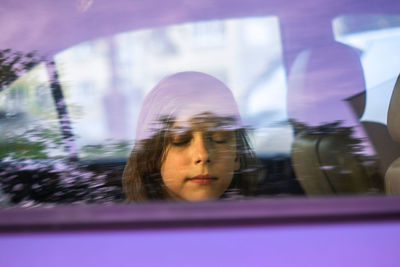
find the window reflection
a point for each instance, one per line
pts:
(103, 84)
(118, 71)
(308, 127)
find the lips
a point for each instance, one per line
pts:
(203, 179)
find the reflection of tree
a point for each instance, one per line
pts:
(34, 168)
(341, 156)
(13, 64)
(346, 134)
(35, 141)
(109, 149)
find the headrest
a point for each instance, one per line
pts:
(393, 118)
(321, 79)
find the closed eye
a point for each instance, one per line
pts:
(181, 139)
(221, 137)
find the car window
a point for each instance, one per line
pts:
(312, 93)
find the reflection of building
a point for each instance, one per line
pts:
(244, 53)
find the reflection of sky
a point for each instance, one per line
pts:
(270, 97)
(381, 64)
(378, 99)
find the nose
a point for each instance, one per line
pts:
(201, 149)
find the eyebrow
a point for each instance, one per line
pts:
(180, 129)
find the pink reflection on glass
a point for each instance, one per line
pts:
(183, 96)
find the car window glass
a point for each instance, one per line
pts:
(105, 80)
(103, 83)
(312, 113)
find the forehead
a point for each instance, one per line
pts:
(206, 121)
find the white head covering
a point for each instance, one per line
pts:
(182, 96)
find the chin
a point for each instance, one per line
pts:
(202, 197)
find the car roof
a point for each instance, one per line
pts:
(50, 26)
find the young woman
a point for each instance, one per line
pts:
(190, 144)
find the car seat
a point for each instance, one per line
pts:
(392, 176)
(331, 153)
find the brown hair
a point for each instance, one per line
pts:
(142, 178)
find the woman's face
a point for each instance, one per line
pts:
(199, 162)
